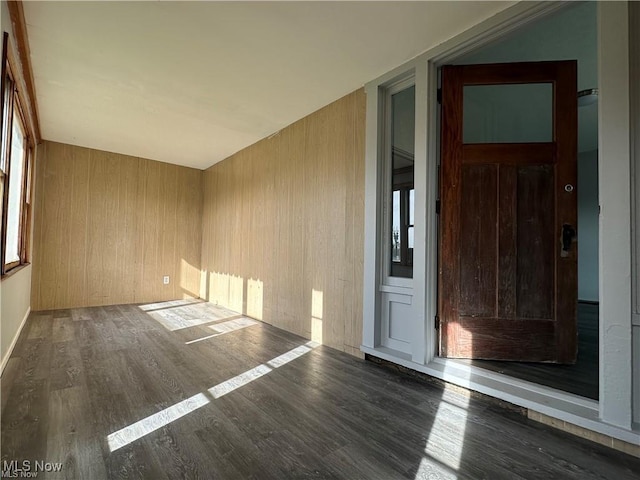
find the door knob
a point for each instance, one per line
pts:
(568, 234)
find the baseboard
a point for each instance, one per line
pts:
(14, 341)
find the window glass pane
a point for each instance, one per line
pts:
(402, 137)
(411, 207)
(6, 120)
(395, 228)
(14, 207)
(508, 113)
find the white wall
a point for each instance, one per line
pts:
(15, 290)
(16, 293)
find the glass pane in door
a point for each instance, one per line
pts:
(520, 113)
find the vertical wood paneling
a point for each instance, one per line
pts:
(188, 232)
(152, 232)
(109, 226)
(38, 205)
(169, 230)
(127, 230)
(290, 285)
(77, 254)
(353, 324)
(104, 191)
(283, 224)
(54, 260)
(138, 267)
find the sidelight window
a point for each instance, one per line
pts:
(401, 139)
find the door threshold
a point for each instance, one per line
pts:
(564, 406)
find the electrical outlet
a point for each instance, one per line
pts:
(165, 279)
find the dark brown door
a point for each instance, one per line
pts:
(508, 256)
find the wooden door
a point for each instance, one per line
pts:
(508, 257)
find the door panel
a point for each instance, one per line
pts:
(396, 321)
(477, 241)
(535, 239)
(507, 289)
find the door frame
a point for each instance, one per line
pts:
(612, 414)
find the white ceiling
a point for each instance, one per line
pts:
(191, 83)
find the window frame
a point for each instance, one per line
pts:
(389, 276)
(12, 105)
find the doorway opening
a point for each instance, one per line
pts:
(567, 35)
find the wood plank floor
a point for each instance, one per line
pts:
(581, 379)
(173, 391)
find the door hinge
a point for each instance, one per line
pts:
(437, 322)
(439, 96)
(438, 207)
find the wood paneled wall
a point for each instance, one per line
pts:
(284, 224)
(108, 227)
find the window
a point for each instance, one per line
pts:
(402, 226)
(401, 156)
(15, 168)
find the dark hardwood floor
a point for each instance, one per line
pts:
(581, 379)
(191, 392)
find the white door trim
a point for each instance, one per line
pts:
(634, 83)
(614, 192)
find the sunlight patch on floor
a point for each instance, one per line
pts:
(292, 354)
(446, 437)
(137, 430)
(152, 423)
(150, 307)
(261, 370)
(226, 327)
(238, 381)
(430, 469)
(179, 314)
